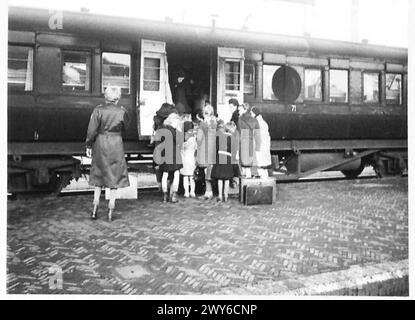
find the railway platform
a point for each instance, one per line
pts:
(343, 237)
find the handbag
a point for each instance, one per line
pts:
(199, 174)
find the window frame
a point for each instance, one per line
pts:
(129, 73)
(363, 87)
(263, 82)
(240, 75)
(91, 71)
(147, 56)
(400, 104)
(321, 69)
(19, 91)
(253, 64)
(348, 87)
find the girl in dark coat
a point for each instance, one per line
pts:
(224, 168)
(104, 143)
(168, 154)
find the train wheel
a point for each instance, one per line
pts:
(353, 174)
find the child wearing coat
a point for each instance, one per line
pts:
(225, 169)
(189, 159)
(167, 155)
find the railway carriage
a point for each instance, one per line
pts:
(330, 105)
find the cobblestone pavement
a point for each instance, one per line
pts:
(205, 247)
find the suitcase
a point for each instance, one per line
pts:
(264, 182)
(258, 194)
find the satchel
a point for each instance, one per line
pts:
(199, 174)
(258, 194)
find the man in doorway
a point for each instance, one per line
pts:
(233, 107)
(181, 93)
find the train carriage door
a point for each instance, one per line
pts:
(154, 84)
(230, 79)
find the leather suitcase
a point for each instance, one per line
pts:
(269, 182)
(258, 194)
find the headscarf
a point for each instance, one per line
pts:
(112, 94)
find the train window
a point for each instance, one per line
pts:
(339, 85)
(151, 74)
(393, 88)
(249, 79)
(268, 73)
(232, 75)
(76, 71)
(370, 87)
(313, 84)
(20, 68)
(116, 71)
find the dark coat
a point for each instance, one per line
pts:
(226, 148)
(235, 116)
(181, 92)
(104, 136)
(173, 160)
(250, 139)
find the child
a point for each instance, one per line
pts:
(172, 162)
(205, 138)
(189, 159)
(224, 168)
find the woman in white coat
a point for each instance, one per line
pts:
(263, 156)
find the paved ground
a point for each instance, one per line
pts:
(202, 247)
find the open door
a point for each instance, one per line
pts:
(154, 84)
(230, 79)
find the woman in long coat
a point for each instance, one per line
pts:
(104, 143)
(250, 139)
(263, 157)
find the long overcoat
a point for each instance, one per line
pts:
(264, 156)
(104, 136)
(250, 139)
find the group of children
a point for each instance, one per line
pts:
(205, 143)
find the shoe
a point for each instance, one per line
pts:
(225, 199)
(94, 213)
(110, 212)
(219, 199)
(192, 195)
(165, 197)
(186, 195)
(207, 196)
(173, 198)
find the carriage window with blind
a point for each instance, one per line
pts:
(267, 75)
(232, 75)
(339, 86)
(76, 71)
(313, 84)
(370, 87)
(116, 71)
(151, 74)
(249, 79)
(393, 88)
(20, 68)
